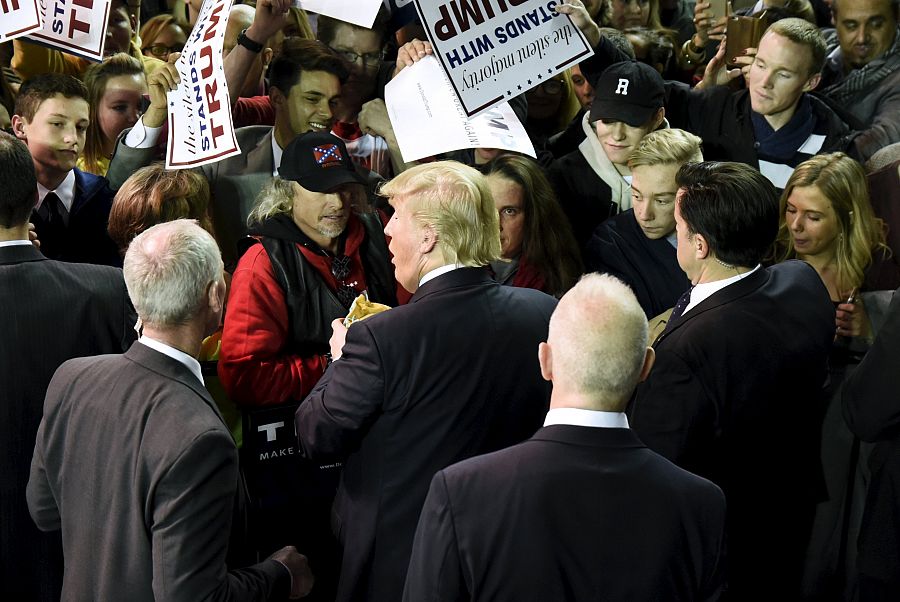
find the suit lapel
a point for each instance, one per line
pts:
(730, 293)
(261, 158)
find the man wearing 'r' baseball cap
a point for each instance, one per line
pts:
(319, 247)
(593, 183)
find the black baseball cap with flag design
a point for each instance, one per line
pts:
(319, 162)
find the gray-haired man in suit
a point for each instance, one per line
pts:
(133, 461)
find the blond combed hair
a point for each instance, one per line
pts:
(843, 182)
(455, 200)
(666, 147)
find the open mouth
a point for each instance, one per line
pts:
(319, 126)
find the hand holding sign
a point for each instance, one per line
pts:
(162, 81)
(576, 11)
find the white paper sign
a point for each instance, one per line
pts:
(74, 26)
(17, 18)
(358, 12)
(496, 49)
(428, 118)
(200, 126)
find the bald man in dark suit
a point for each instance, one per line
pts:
(582, 510)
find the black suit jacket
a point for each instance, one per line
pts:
(49, 312)
(134, 463)
(650, 267)
(450, 375)
(871, 398)
(85, 239)
(575, 513)
(735, 396)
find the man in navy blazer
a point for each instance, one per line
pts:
(72, 209)
(582, 510)
(49, 312)
(735, 395)
(448, 376)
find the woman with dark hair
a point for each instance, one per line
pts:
(537, 246)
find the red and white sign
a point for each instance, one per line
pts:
(18, 18)
(74, 26)
(200, 126)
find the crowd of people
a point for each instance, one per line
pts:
(658, 361)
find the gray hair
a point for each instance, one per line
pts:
(168, 269)
(598, 336)
(276, 197)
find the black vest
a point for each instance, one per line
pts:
(311, 304)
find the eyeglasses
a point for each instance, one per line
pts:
(161, 50)
(341, 266)
(369, 61)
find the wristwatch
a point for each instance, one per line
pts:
(249, 44)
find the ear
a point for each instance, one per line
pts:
(215, 296)
(658, 118)
(812, 82)
(545, 359)
(701, 247)
(18, 127)
(276, 97)
(133, 20)
(267, 55)
(649, 360)
(429, 240)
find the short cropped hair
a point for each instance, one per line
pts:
(299, 55)
(804, 33)
(598, 336)
(327, 26)
(667, 147)
(168, 269)
(19, 182)
(456, 201)
(153, 195)
(733, 206)
(47, 85)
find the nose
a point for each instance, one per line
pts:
(794, 223)
(863, 34)
(634, 6)
(324, 108)
(617, 131)
(643, 212)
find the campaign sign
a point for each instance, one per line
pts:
(17, 18)
(496, 49)
(358, 12)
(200, 126)
(428, 118)
(74, 26)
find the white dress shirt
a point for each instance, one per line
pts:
(581, 417)
(65, 191)
(701, 292)
(189, 362)
(439, 271)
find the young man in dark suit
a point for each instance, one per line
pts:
(426, 384)
(51, 312)
(133, 461)
(73, 206)
(582, 510)
(735, 393)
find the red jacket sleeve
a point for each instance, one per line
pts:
(254, 367)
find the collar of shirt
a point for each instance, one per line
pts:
(65, 191)
(581, 417)
(439, 271)
(701, 292)
(180, 356)
(14, 243)
(277, 152)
